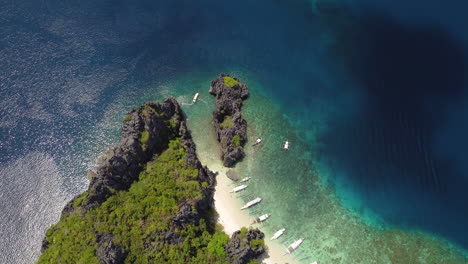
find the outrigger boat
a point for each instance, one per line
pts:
(258, 141)
(245, 179)
(251, 203)
(294, 246)
(286, 145)
(195, 98)
(278, 234)
(261, 218)
(238, 188)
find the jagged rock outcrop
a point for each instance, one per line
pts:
(230, 126)
(107, 251)
(145, 132)
(239, 248)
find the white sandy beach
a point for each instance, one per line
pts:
(233, 219)
(226, 204)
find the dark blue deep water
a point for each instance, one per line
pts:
(388, 79)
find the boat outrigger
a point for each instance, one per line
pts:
(238, 188)
(294, 246)
(195, 98)
(278, 234)
(258, 141)
(251, 203)
(245, 179)
(286, 145)
(261, 218)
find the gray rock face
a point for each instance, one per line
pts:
(230, 126)
(120, 166)
(107, 251)
(232, 175)
(239, 249)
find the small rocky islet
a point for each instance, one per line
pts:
(150, 200)
(230, 126)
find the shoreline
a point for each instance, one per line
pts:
(226, 204)
(233, 219)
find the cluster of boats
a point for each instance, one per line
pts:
(293, 246)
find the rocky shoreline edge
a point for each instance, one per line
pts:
(146, 132)
(230, 126)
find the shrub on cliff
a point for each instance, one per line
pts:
(229, 81)
(144, 207)
(139, 220)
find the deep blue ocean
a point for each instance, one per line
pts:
(388, 78)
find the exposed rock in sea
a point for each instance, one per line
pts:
(230, 126)
(241, 249)
(232, 175)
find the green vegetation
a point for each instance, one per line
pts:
(257, 243)
(230, 82)
(144, 137)
(216, 246)
(242, 235)
(171, 124)
(77, 201)
(236, 140)
(139, 218)
(227, 122)
(127, 118)
(253, 261)
(145, 113)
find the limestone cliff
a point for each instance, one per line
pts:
(230, 126)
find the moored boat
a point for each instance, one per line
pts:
(238, 188)
(245, 179)
(195, 98)
(258, 141)
(261, 218)
(251, 203)
(286, 145)
(278, 234)
(294, 246)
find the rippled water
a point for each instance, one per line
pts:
(372, 95)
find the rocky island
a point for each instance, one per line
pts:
(150, 201)
(230, 126)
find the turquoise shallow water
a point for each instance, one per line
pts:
(371, 95)
(297, 190)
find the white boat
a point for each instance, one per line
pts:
(278, 234)
(258, 141)
(245, 179)
(251, 203)
(315, 262)
(238, 188)
(286, 145)
(195, 98)
(294, 246)
(261, 218)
